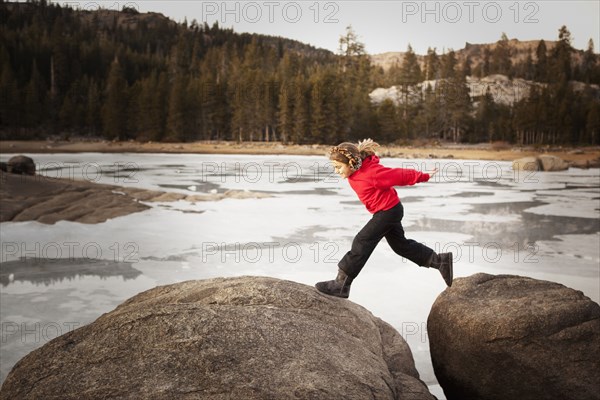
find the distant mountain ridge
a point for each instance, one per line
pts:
(130, 19)
(519, 52)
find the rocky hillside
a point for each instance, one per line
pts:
(127, 20)
(503, 90)
(130, 20)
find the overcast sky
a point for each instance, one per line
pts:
(387, 25)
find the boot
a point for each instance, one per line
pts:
(443, 263)
(340, 287)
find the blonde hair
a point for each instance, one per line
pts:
(353, 154)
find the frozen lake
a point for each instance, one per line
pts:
(54, 278)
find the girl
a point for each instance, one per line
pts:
(374, 185)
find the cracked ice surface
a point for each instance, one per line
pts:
(494, 220)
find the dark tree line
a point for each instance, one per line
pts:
(68, 72)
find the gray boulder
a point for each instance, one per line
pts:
(553, 163)
(511, 337)
(22, 165)
(527, 164)
(236, 338)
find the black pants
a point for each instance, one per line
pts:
(383, 224)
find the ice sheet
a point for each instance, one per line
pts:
(495, 220)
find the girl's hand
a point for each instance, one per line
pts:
(432, 172)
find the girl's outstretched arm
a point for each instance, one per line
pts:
(387, 177)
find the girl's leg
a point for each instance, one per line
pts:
(367, 239)
(419, 253)
(408, 248)
(362, 246)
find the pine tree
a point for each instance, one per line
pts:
(255, 106)
(114, 111)
(93, 119)
(541, 66)
(459, 106)
(354, 112)
(318, 99)
(178, 126)
(431, 107)
(443, 95)
(324, 106)
(269, 108)
(301, 117)
(448, 64)
(560, 93)
(501, 57)
(588, 63)
(592, 125)
(60, 73)
(133, 104)
(285, 121)
(486, 110)
(181, 55)
(561, 68)
(410, 75)
(388, 121)
(350, 48)
(198, 113)
(72, 114)
(10, 98)
(35, 94)
(221, 116)
(411, 71)
(289, 67)
(432, 65)
(147, 108)
(66, 114)
(528, 71)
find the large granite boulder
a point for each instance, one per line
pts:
(511, 337)
(236, 338)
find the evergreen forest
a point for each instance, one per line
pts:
(121, 75)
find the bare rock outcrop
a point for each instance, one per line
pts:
(49, 200)
(511, 337)
(235, 338)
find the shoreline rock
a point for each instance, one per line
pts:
(510, 337)
(20, 165)
(49, 200)
(542, 162)
(242, 338)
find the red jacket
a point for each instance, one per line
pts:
(374, 183)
